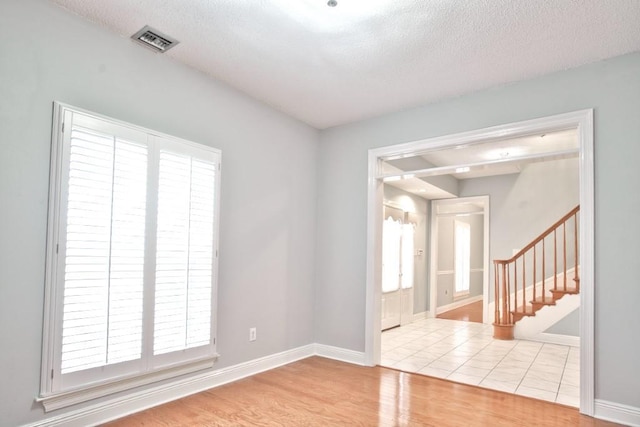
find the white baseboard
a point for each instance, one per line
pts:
(337, 353)
(420, 316)
(457, 304)
(556, 339)
(137, 401)
(617, 412)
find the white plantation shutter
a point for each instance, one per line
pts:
(184, 256)
(131, 258)
(201, 252)
(102, 320)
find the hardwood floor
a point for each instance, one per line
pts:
(468, 313)
(324, 392)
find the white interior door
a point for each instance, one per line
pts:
(391, 295)
(407, 277)
(397, 269)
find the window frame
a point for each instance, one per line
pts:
(154, 368)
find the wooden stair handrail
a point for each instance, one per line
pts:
(541, 237)
(506, 269)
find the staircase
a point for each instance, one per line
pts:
(538, 275)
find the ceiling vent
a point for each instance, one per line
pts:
(154, 39)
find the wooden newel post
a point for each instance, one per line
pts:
(503, 327)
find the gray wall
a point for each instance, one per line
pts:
(280, 229)
(612, 89)
(568, 325)
(522, 206)
(446, 257)
(419, 207)
(268, 218)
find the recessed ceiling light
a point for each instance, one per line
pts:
(321, 17)
(463, 170)
(154, 39)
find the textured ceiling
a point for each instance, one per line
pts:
(363, 58)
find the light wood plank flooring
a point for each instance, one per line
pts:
(324, 392)
(467, 313)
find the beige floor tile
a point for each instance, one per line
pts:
(434, 372)
(471, 370)
(544, 376)
(540, 384)
(506, 386)
(467, 353)
(564, 399)
(571, 378)
(465, 379)
(482, 364)
(569, 390)
(536, 393)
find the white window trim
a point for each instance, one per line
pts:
(54, 400)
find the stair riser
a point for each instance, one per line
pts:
(557, 294)
(538, 305)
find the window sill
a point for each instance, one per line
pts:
(53, 401)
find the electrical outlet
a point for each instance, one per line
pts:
(252, 334)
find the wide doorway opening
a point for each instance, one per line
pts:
(552, 148)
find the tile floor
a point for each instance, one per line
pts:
(466, 352)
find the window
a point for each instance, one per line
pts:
(462, 237)
(131, 258)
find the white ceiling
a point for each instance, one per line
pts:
(501, 156)
(363, 58)
(503, 151)
(415, 174)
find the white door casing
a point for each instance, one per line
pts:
(433, 289)
(580, 120)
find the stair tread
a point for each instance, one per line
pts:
(528, 310)
(545, 300)
(569, 290)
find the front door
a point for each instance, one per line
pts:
(397, 268)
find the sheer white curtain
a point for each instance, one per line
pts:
(391, 235)
(407, 255)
